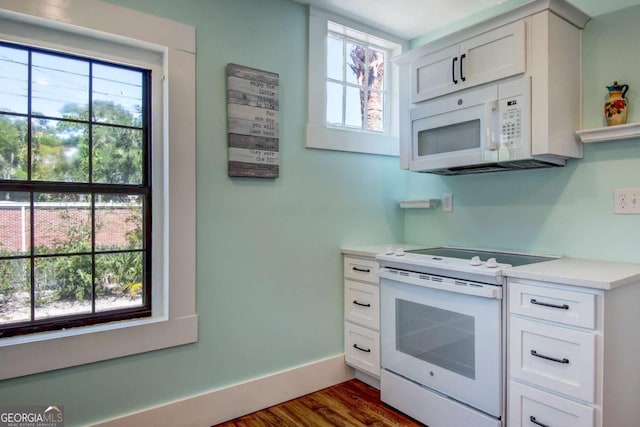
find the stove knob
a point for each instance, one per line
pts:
(399, 252)
(475, 261)
(491, 263)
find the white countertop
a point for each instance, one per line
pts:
(593, 274)
(373, 250)
(580, 272)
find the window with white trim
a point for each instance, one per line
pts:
(160, 54)
(353, 87)
(75, 191)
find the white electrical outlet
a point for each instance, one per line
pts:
(447, 202)
(626, 201)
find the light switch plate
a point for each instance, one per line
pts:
(447, 202)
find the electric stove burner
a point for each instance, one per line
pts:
(512, 259)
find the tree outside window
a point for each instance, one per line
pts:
(74, 191)
(356, 92)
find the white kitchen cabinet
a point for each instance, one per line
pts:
(571, 348)
(481, 59)
(540, 40)
(362, 317)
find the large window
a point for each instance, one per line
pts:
(98, 103)
(74, 191)
(353, 87)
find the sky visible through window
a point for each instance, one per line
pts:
(58, 81)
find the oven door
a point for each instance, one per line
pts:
(447, 341)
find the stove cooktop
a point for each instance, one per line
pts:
(501, 257)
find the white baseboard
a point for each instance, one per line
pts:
(224, 404)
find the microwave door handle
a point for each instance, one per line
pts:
(490, 108)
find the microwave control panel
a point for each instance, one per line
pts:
(510, 117)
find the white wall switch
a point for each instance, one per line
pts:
(626, 201)
(447, 202)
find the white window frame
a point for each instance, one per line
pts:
(319, 133)
(112, 32)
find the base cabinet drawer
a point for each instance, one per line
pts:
(531, 407)
(555, 305)
(361, 269)
(553, 357)
(362, 348)
(362, 304)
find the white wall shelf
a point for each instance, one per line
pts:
(610, 133)
(419, 203)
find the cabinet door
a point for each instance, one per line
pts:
(493, 55)
(532, 407)
(435, 74)
(485, 58)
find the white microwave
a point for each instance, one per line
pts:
(482, 129)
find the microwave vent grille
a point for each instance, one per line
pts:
(494, 167)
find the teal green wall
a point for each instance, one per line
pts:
(568, 210)
(269, 287)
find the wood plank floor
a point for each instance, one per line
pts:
(350, 404)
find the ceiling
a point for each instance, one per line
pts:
(409, 19)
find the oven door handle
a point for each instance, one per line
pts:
(441, 283)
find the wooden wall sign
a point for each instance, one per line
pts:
(253, 122)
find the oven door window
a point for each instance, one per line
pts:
(441, 337)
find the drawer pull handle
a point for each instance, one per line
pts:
(553, 359)
(366, 350)
(361, 304)
(536, 422)
(362, 270)
(546, 304)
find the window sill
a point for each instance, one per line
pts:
(353, 141)
(80, 346)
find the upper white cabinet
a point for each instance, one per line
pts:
(487, 57)
(540, 41)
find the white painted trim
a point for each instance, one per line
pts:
(103, 20)
(174, 320)
(227, 403)
(319, 135)
(355, 141)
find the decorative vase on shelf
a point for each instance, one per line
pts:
(615, 109)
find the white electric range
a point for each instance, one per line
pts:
(442, 333)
